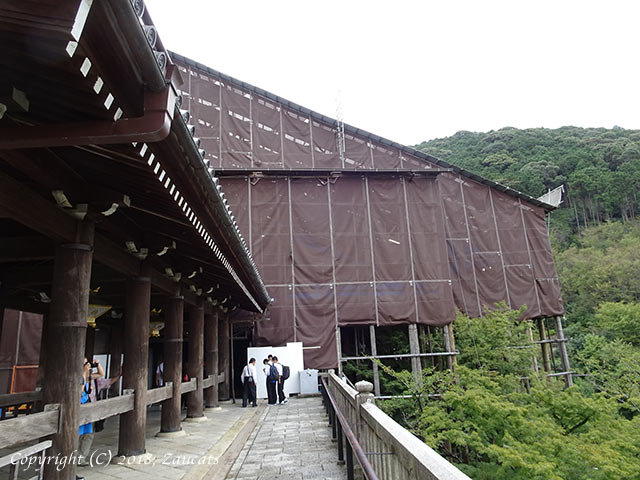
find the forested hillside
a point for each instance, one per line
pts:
(600, 167)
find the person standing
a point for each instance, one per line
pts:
(272, 379)
(281, 396)
(93, 384)
(248, 377)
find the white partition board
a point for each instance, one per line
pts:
(290, 355)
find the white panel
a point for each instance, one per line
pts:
(291, 356)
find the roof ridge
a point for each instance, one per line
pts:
(371, 136)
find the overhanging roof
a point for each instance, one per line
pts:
(103, 110)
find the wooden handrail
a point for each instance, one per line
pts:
(208, 382)
(189, 386)
(29, 427)
(94, 411)
(367, 469)
(12, 399)
(156, 395)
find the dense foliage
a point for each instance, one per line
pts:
(493, 425)
(600, 167)
(494, 416)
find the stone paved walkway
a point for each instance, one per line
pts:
(292, 441)
(187, 457)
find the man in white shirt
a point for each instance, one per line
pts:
(249, 377)
(281, 397)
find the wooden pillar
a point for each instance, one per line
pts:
(452, 345)
(447, 346)
(65, 344)
(546, 363)
(131, 439)
(224, 354)
(211, 358)
(374, 353)
(196, 359)
(115, 353)
(414, 348)
(534, 359)
(172, 353)
(564, 355)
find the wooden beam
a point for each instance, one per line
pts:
(29, 427)
(94, 411)
(189, 386)
(156, 395)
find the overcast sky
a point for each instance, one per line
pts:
(413, 71)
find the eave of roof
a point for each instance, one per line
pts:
(210, 194)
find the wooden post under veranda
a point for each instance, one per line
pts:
(195, 399)
(65, 337)
(172, 354)
(211, 358)
(131, 439)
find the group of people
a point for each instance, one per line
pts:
(275, 373)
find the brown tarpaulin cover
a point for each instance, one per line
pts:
(19, 346)
(382, 250)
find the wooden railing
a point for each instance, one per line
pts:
(26, 428)
(393, 451)
(15, 459)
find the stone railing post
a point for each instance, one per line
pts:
(364, 395)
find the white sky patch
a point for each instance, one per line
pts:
(412, 71)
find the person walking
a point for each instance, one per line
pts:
(248, 378)
(280, 384)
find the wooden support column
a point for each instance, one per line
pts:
(564, 355)
(447, 345)
(224, 355)
(172, 353)
(131, 439)
(196, 359)
(414, 348)
(211, 358)
(115, 353)
(534, 359)
(546, 363)
(65, 344)
(452, 345)
(374, 353)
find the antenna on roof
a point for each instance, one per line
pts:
(339, 115)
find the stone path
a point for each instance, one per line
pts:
(292, 441)
(187, 457)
